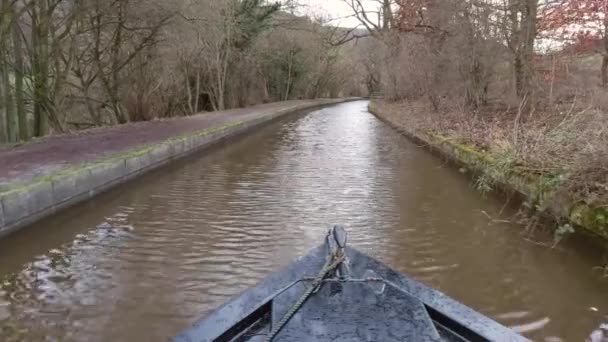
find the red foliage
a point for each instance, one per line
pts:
(410, 14)
(581, 21)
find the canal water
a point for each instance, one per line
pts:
(144, 261)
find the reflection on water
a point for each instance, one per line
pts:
(146, 260)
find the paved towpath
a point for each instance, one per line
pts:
(22, 163)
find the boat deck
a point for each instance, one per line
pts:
(372, 303)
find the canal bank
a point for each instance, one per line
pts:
(39, 178)
(539, 193)
(144, 260)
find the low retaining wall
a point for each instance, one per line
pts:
(24, 203)
(591, 221)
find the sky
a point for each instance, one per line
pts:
(335, 9)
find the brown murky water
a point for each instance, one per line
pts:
(144, 261)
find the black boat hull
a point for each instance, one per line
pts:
(374, 303)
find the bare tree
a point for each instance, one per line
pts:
(374, 20)
(78, 63)
(520, 35)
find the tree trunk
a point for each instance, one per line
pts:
(288, 86)
(3, 133)
(523, 22)
(9, 104)
(39, 65)
(529, 30)
(197, 93)
(9, 123)
(604, 70)
(387, 15)
(115, 82)
(225, 55)
(188, 89)
(19, 89)
(222, 76)
(518, 68)
(93, 113)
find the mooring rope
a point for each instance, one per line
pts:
(332, 261)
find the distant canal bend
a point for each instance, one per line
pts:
(144, 261)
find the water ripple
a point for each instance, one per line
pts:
(158, 253)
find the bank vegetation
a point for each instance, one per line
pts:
(66, 65)
(520, 84)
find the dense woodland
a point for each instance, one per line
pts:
(74, 64)
(522, 83)
(477, 51)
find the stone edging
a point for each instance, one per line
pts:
(579, 214)
(24, 203)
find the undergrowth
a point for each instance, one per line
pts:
(561, 154)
